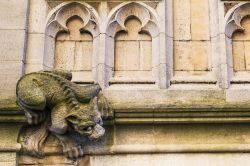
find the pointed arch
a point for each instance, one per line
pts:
(149, 23)
(57, 22)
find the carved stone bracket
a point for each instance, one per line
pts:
(53, 104)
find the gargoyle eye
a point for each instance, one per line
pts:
(73, 119)
(88, 128)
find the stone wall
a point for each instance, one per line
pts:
(176, 73)
(13, 41)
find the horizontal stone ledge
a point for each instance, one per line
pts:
(151, 149)
(180, 120)
(151, 115)
(10, 148)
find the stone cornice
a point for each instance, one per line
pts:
(209, 106)
(10, 112)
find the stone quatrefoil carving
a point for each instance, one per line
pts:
(53, 104)
(234, 18)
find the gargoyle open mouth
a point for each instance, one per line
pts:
(97, 132)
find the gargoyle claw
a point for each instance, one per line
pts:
(74, 152)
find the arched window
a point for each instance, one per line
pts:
(74, 50)
(133, 52)
(133, 35)
(70, 36)
(238, 42)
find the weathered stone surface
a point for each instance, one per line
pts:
(172, 159)
(8, 158)
(133, 51)
(204, 78)
(191, 56)
(182, 20)
(35, 49)
(12, 45)
(13, 14)
(52, 103)
(11, 72)
(239, 56)
(200, 19)
(8, 144)
(37, 16)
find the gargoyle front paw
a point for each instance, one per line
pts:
(74, 152)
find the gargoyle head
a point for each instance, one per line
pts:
(87, 120)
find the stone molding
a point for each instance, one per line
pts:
(133, 109)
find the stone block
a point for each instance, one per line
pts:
(176, 159)
(9, 134)
(191, 56)
(52, 160)
(214, 18)
(145, 55)
(83, 55)
(127, 55)
(82, 76)
(182, 20)
(33, 67)
(247, 54)
(199, 133)
(133, 134)
(64, 55)
(35, 49)
(238, 93)
(13, 14)
(8, 159)
(200, 20)
(238, 55)
(11, 68)
(11, 72)
(12, 45)
(37, 16)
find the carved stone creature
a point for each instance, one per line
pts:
(52, 103)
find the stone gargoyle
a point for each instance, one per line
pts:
(53, 104)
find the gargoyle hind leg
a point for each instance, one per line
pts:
(59, 128)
